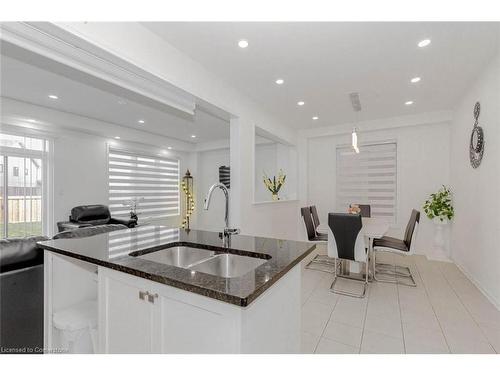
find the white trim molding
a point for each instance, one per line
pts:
(476, 283)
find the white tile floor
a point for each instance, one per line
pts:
(445, 313)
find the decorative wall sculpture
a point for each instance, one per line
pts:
(476, 146)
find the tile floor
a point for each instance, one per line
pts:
(445, 313)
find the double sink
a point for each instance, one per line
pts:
(216, 263)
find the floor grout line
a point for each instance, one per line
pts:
(431, 277)
(432, 307)
(466, 309)
(401, 317)
(364, 321)
(326, 325)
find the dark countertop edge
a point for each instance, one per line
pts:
(210, 293)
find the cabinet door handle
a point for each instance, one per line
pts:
(142, 295)
(151, 297)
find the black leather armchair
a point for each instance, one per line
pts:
(92, 215)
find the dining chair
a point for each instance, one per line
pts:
(365, 209)
(319, 262)
(316, 222)
(404, 247)
(346, 242)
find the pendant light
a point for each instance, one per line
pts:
(354, 137)
(356, 106)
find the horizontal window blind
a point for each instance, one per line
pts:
(369, 177)
(121, 243)
(151, 181)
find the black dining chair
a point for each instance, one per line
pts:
(365, 209)
(404, 247)
(316, 222)
(319, 262)
(346, 242)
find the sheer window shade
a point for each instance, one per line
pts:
(151, 180)
(369, 177)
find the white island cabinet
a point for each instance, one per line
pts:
(137, 315)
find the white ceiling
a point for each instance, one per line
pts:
(31, 83)
(322, 63)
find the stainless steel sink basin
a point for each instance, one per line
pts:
(178, 256)
(207, 261)
(228, 265)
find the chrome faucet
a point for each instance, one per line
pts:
(227, 231)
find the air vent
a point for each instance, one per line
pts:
(355, 102)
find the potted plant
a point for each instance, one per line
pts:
(275, 184)
(439, 208)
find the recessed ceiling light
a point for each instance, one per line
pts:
(280, 81)
(52, 96)
(315, 117)
(300, 103)
(31, 120)
(117, 137)
(193, 136)
(409, 102)
(424, 43)
(415, 80)
(141, 121)
(243, 43)
(169, 147)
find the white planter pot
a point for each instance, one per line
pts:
(440, 242)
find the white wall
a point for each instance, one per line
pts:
(276, 219)
(270, 158)
(79, 161)
(423, 159)
(136, 44)
(476, 227)
(80, 173)
(265, 161)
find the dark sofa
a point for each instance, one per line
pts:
(92, 215)
(21, 295)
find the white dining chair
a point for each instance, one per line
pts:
(346, 242)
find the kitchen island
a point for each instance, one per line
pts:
(161, 290)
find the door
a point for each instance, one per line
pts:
(130, 317)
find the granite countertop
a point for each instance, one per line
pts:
(114, 249)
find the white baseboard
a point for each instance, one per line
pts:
(478, 285)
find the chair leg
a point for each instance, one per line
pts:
(398, 270)
(397, 275)
(336, 276)
(394, 271)
(321, 263)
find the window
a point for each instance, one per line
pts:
(369, 177)
(151, 181)
(23, 198)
